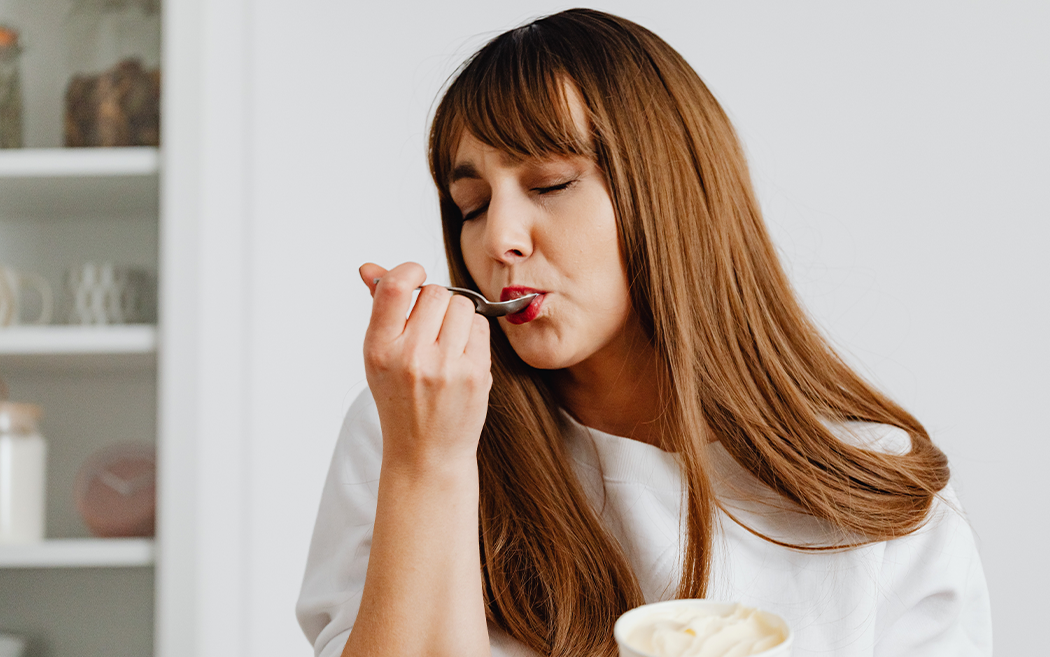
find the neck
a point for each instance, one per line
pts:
(617, 390)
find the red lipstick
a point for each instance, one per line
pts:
(531, 311)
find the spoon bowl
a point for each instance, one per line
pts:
(483, 306)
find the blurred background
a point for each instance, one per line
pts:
(205, 318)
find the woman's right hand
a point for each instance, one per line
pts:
(430, 374)
(430, 377)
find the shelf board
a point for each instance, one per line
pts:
(49, 348)
(40, 182)
(79, 553)
(79, 162)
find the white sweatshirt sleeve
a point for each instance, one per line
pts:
(330, 596)
(934, 595)
(335, 568)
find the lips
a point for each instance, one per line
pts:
(515, 291)
(531, 311)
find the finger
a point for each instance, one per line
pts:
(392, 299)
(455, 330)
(424, 323)
(369, 273)
(478, 348)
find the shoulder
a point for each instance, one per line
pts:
(936, 597)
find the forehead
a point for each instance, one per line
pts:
(470, 156)
(470, 151)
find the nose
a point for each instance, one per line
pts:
(508, 237)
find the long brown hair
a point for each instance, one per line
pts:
(744, 363)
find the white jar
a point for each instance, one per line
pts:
(23, 474)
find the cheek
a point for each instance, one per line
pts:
(470, 246)
(594, 245)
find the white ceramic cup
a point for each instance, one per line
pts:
(639, 616)
(13, 286)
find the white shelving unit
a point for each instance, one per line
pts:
(97, 386)
(74, 594)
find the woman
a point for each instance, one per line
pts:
(662, 420)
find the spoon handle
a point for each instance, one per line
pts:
(481, 304)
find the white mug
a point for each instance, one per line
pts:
(13, 285)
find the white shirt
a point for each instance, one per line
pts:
(920, 595)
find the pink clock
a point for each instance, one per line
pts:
(116, 491)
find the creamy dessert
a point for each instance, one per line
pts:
(698, 630)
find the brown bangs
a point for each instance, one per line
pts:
(511, 96)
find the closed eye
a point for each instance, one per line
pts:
(475, 213)
(550, 189)
(554, 188)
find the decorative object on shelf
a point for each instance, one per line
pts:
(106, 293)
(11, 645)
(23, 472)
(116, 490)
(10, 89)
(120, 107)
(114, 99)
(13, 284)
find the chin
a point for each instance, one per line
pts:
(542, 356)
(543, 361)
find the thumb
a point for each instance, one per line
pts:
(369, 273)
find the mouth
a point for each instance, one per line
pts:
(531, 311)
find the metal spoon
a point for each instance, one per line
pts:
(483, 306)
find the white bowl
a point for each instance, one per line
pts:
(640, 615)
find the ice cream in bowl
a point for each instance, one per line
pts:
(701, 628)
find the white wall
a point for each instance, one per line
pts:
(900, 151)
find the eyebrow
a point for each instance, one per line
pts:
(464, 170)
(468, 170)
